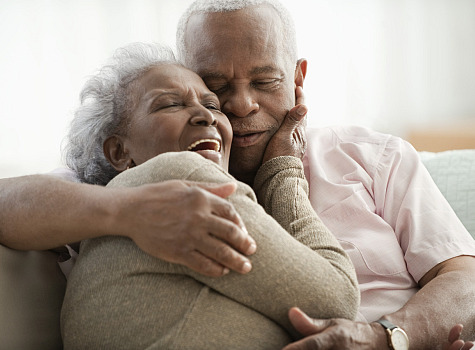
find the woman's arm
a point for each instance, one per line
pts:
(282, 190)
(285, 272)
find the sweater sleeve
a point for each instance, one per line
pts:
(282, 190)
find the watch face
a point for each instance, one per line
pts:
(399, 339)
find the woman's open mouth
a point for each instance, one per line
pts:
(209, 149)
(205, 145)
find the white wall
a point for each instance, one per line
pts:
(386, 64)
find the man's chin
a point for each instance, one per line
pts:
(243, 163)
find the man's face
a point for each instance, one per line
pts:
(240, 57)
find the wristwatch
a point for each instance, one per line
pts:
(397, 338)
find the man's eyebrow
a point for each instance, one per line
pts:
(265, 69)
(253, 71)
(212, 75)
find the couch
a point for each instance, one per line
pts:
(32, 285)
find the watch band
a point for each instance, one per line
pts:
(386, 324)
(397, 338)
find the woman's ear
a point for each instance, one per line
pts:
(300, 72)
(116, 153)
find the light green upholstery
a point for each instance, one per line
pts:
(454, 174)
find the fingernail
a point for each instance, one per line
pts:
(246, 267)
(302, 110)
(252, 249)
(225, 271)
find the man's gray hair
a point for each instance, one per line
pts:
(213, 6)
(105, 105)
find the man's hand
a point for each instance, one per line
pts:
(290, 139)
(345, 334)
(455, 343)
(185, 223)
(339, 334)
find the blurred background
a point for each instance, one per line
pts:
(405, 67)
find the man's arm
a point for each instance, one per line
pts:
(42, 212)
(445, 299)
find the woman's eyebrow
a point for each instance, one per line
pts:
(208, 95)
(156, 93)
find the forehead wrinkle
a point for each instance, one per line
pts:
(264, 69)
(156, 93)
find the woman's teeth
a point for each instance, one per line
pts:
(205, 144)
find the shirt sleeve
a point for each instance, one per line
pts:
(427, 229)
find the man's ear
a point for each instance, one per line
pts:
(116, 153)
(300, 72)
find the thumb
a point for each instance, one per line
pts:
(220, 190)
(292, 120)
(455, 333)
(304, 324)
(295, 116)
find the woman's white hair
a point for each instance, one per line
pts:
(213, 6)
(105, 105)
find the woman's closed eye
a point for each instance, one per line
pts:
(212, 106)
(166, 106)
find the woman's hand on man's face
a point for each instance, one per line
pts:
(186, 223)
(290, 139)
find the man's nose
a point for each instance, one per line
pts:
(203, 116)
(240, 103)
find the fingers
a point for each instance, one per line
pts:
(468, 345)
(221, 253)
(454, 339)
(225, 210)
(229, 227)
(204, 265)
(223, 237)
(226, 230)
(455, 333)
(304, 324)
(296, 115)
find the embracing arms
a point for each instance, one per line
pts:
(43, 212)
(322, 281)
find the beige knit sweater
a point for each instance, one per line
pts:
(121, 298)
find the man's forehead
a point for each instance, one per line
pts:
(262, 13)
(246, 25)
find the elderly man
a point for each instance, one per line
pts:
(413, 257)
(370, 189)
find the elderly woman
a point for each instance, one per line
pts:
(148, 119)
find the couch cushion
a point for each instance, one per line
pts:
(31, 292)
(454, 173)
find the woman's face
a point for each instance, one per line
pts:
(174, 111)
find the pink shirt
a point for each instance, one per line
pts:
(375, 195)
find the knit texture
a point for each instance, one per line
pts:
(119, 297)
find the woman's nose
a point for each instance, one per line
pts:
(203, 116)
